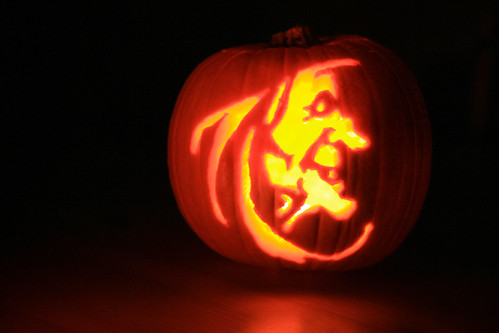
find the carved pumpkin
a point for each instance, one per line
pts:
(312, 157)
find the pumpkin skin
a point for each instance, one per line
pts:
(304, 158)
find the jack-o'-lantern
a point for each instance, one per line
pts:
(309, 157)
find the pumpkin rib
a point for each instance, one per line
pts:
(246, 240)
(218, 73)
(363, 73)
(367, 78)
(239, 231)
(355, 49)
(399, 197)
(415, 118)
(342, 229)
(318, 224)
(319, 219)
(401, 229)
(323, 221)
(413, 204)
(174, 125)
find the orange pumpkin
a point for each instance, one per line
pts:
(310, 157)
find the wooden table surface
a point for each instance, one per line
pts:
(145, 271)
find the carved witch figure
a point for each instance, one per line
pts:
(297, 132)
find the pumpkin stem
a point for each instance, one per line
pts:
(298, 36)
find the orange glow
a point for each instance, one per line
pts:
(279, 173)
(301, 126)
(266, 238)
(306, 127)
(312, 117)
(229, 118)
(275, 103)
(286, 205)
(328, 156)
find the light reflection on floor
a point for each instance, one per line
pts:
(133, 282)
(120, 292)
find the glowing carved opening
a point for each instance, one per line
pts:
(266, 238)
(328, 156)
(229, 119)
(286, 204)
(275, 103)
(309, 132)
(306, 128)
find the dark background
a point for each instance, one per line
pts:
(90, 90)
